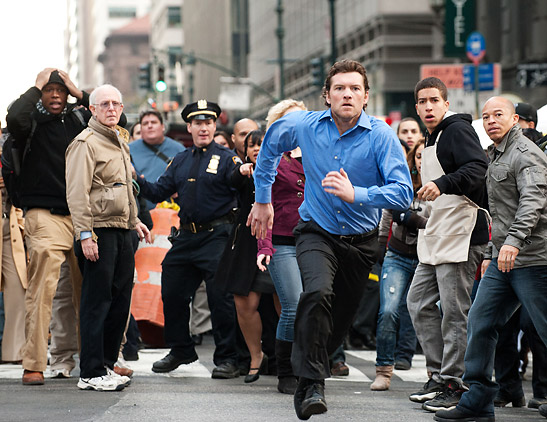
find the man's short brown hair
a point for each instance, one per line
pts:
(344, 66)
(151, 113)
(431, 82)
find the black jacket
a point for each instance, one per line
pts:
(237, 267)
(43, 170)
(464, 162)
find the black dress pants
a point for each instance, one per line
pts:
(334, 273)
(192, 258)
(106, 298)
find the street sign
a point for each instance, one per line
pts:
(458, 25)
(489, 77)
(475, 47)
(450, 74)
(462, 100)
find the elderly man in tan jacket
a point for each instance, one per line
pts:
(104, 212)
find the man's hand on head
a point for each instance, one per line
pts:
(338, 184)
(72, 89)
(43, 77)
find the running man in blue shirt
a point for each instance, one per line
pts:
(354, 167)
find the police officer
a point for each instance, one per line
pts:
(200, 175)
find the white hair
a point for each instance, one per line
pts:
(93, 95)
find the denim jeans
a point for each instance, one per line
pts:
(498, 297)
(406, 340)
(288, 285)
(397, 273)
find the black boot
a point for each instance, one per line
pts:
(286, 380)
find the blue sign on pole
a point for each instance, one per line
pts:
(475, 47)
(486, 77)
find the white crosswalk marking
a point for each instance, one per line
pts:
(143, 367)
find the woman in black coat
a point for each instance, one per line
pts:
(237, 271)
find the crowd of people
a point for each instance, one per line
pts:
(299, 213)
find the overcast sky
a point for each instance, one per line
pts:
(31, 32)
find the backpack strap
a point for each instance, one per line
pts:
(158, 153)
(78, 113)
(18, 162)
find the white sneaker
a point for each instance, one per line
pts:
(125, 380)
(104, 383)
(58, 373)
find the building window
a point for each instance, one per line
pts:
(122, 12)
(174, 16)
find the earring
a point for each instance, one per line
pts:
(414, 170)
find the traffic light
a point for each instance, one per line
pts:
(161, 86)
(144, 77)
(317, 71)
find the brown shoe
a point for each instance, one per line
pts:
(340, 369)
(124, 372)
(33, 377)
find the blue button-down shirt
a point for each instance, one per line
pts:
(370, 153)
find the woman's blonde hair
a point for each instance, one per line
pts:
(280, 109)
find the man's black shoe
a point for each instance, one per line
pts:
(170, 363)
(369, 341)
(501, 401)
(309, 398)
(457, 415)
(225, 370)
(198, 339)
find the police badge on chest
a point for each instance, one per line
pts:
(213, 164)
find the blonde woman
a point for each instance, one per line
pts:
(287, 196)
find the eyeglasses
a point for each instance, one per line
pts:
(105, 105)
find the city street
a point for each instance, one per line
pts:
(189, 394)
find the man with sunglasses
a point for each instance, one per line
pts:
(43, 124)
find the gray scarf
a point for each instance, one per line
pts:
(42, 110)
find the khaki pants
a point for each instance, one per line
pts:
(64, 323)
(200, 315)
(14, 302)
(49, 240)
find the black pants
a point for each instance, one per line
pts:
(334, 273)
(506, 362)
(106, 297)
(191, 259)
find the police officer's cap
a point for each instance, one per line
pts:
(201, 110)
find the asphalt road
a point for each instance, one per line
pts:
(189, 394)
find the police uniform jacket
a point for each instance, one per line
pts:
(99, 181)
(517, 188)
(238, 262)
(201, 177)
